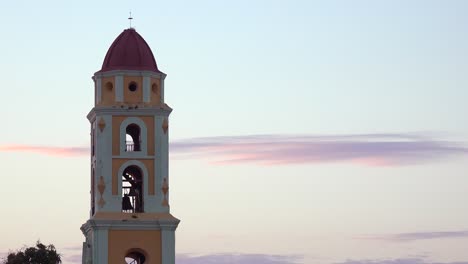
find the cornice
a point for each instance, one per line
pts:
(125, 224)
(129, 110)
(159, 75)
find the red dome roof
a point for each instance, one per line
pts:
(129, 51)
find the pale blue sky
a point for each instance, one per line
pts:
(241, 68)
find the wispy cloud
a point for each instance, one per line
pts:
(72, 258)
(405, 237)
(71, 254)
(217, 259)
(236, 259)
(398, 261)
(46, 150)
(362, 149)
(3, 255)
(365, 149)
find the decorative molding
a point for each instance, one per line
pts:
(101, 187)
(101, 124)
(165, 125)
(165, 189)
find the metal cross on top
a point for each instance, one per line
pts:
(130, 19)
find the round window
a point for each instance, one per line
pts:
(132, 86)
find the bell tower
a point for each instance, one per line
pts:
(130, 220)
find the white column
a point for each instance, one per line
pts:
(163, 77)
(168, 227)
(119, 88)
(146, 89)
(168, 246)
(159, 170)
(98, 90)
(101, 246)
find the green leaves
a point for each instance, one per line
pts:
(40, 254)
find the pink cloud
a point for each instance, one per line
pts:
(47, 150)
(225, 258)
(274, 150)
(236, 259)
(368, 149)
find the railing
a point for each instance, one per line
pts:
(129, 146)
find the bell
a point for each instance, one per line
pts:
(126, 204)
(132, 192)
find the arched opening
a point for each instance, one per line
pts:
(132, 190)
(133, 138)
(154, 88)
(135, 257)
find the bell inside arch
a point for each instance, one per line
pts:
(126, 204)
(132, 192)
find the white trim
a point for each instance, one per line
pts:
(146, 89)
(119, 93)
(143, 137)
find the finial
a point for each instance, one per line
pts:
(130, 19)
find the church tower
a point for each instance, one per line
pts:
(130, 220)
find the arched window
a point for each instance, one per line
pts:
(133, 138)
(132, 190)
(135, 257)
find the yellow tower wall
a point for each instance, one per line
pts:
(121, 242)
(107, 96)
(155, 95)
(136, 96)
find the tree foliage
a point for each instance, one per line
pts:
(40, 254)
